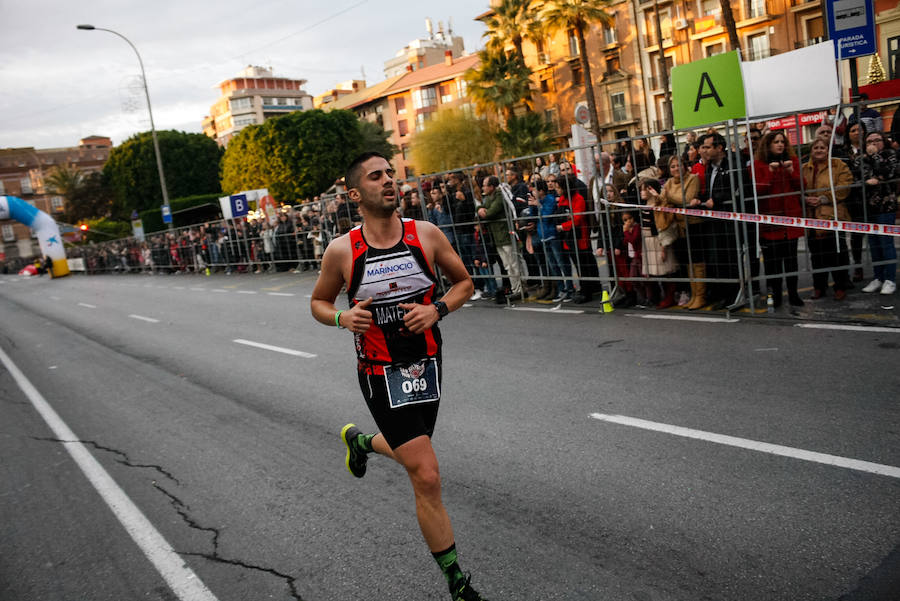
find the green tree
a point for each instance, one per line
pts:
(525, 134)
(299, 154)
(499, 82)
(578, 15)
(452, 139)
(190, 162)
(92, 199)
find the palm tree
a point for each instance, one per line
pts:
(525, 134)
(499, 83)
(508, 23)
(730, 26)
(578, 15)
(65, 180)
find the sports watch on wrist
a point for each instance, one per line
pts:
(442, 309)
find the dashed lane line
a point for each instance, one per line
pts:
(753, 445)
(86, 305)
(850, 328)
(142, 318)
(685, 318)
(171, 566)
(280, 293)
(277, 349)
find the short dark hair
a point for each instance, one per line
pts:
(493, 181)
(540, 185)
(717, 139)
(351, 178)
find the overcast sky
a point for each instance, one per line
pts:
(60, 84)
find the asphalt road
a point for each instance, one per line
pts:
(231, 451)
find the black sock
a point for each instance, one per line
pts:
(447, 561)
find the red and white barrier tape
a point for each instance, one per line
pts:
(780, 220)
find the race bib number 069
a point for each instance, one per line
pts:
(413, 383)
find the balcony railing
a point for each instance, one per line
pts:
(755, 55)
(809, 42)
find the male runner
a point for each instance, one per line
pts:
(387, 264)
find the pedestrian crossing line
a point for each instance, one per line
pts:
(753, 445)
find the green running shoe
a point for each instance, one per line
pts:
(356, 457)
(465, 592)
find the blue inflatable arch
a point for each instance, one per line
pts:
(13, 207)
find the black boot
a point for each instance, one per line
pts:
(793, 296)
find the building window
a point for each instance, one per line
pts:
(242, 120)
(2, 188)
(714, 49)
(577, 77)
(405, 150)
(609, 33)
(617, 101)
(9, 234)
(756, 8)
(461, 88)
(25, 184)
(57, 203)
(241, 104)
(446, 96)
(400, 103)
(758, 46)
(573, 43)
(547, 83)
(612, 62)
(541, 47)
(424, 97)
(550, 116)
(893, 59)
(421, 118)
(710, 7)
(403, 127)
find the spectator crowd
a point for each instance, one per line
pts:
(536, 227)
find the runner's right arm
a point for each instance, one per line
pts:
(333, 276)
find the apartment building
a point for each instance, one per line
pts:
(425, 52)
(251, 97)
(23, 172)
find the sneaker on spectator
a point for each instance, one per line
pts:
(872, 286)
(888, 287)
(568, 297)
(559, 297)
(476, 296)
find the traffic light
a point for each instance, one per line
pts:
(84, 227)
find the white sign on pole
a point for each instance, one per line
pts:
(796, 80)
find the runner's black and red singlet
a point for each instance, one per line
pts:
(400, 274)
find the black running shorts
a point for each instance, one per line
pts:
(401, 424)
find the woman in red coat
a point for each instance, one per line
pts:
(778, 186)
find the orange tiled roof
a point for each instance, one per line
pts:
(363, 96)
(434, 74)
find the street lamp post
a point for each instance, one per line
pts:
(159, 167)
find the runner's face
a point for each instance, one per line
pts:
(377, 192)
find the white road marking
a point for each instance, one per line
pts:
(685, 318)
(246, 291)
(172, 567)
(142, 318)
(199, 289)
(280, 293)
(54, 298)
(754, 445)
(218, 290)
(766, 350)
(837, 326)
(555, 309)
(178, 287)
(277, 349)
(87, 305)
